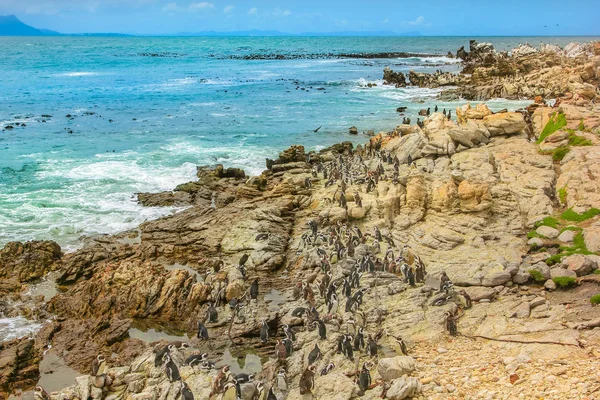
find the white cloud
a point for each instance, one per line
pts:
(287, 13)
(253, 11)
(228, 9)
(419, 21)
(200, 6)
(170, 7)
(192, 7)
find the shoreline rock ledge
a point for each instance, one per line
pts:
(429, 263)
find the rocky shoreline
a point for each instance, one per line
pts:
(506, 204)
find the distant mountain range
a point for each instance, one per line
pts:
(10, 25)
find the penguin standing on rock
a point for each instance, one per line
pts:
(347, 347)
(307, 380)
(40, 394)
(314, 355)
(171, 369)
(372, 347)
(289, 333)
(364, 379)
(468, 301)
(254, 289)
(212, 315)
(185, 392)
(97, 364)
(282, 380)
(271, 395)
(159, 355)
(289, 346)
(202, 333)
(359, 340)
(264, 332)
(322, 329)
(451, 324)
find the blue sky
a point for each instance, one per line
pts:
(429, 17)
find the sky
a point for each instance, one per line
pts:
(428, 17)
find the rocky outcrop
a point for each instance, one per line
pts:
(26, 262)
(18, 365)
(524, 73)
(458, 196)
(393, 78)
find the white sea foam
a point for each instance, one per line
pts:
(430, 60)
(17, 327)
(77, 74)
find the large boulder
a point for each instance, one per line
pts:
(396, 367)
(580, 264)
(508, 123)
(404, 388)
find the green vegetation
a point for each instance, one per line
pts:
(571, 215)
(597, 272)
(555, 259)
(576, 140)
(548, 221)
(581, 126)
(560, 153)
(578, 247)
(562, 195)
(533, 234)
(564, 281)
(571, 228)
(595, 299)
(537, 275)
(556, 122)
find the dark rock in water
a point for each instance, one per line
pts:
(269, 163)
(450, 55)
(8, 127)
(393, 78)
(310, 56)
(353, 130)
(401, 109)
(229, 172)
(462, 53)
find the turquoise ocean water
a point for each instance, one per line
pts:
(108, 117)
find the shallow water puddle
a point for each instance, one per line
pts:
(274, 299)
(46, 287)
(176, 266)
(55, 374)
(152, 335)
(250, 364)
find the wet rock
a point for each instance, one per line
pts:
(353, 130)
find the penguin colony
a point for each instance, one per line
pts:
(335, 296)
